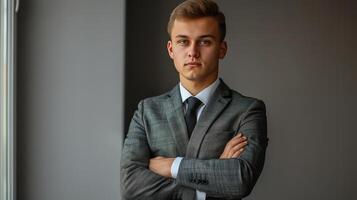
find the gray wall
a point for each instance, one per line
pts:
(300, 58)
(70, 99)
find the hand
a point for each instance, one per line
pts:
(234, 147)
(161, 165)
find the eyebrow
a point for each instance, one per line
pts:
(202, 36)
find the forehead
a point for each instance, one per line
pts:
(195, 27)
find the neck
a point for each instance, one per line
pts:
(195, 86)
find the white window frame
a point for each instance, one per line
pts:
(7, 99)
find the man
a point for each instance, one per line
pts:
(201, 140)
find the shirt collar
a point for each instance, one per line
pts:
(203, 96)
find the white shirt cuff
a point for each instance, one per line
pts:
(175, 166)
(174, 171)
(200, 195)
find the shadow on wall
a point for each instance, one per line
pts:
(149, 70)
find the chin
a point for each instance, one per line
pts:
(193, 77)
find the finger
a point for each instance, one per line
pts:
(236, 140)
(240, 145)
(236, 148)
(240, 135)
(238, 153)
(233, 142)
(224, 154)
(151, 164)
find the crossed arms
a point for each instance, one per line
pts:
(162, 165)
(233, 175)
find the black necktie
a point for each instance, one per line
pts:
(190, 116)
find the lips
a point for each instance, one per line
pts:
(192, 64)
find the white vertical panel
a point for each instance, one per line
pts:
(7, 80)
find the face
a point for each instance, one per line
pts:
(195, 47)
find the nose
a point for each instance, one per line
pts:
(193, 51)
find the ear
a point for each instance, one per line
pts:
(169, 49)
(223, 49)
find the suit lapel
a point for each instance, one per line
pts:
(176, 120)
(218, 102)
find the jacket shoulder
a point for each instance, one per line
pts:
(154, 102)
(245, 101)
(156, 99)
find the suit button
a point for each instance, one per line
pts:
(192, 178)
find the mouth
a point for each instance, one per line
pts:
(192, 64)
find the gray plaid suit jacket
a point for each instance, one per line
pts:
(158, 129)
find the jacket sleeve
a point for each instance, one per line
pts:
(231, 178)
(137, 181)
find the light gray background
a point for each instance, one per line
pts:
(70, 99)
(298, 56)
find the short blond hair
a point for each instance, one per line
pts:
(193, 9)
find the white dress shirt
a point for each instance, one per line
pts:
(204, 96)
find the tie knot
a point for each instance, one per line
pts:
(193, 103)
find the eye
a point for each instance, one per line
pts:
(182, 42)
(205, 42)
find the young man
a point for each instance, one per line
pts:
(201, 140)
